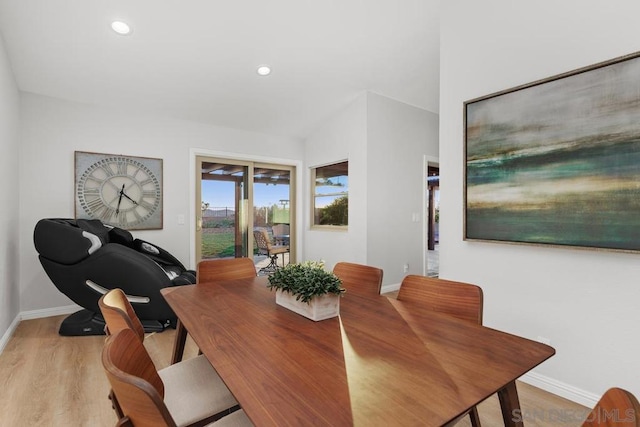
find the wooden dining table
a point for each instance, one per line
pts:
(380, 362)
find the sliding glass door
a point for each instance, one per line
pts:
(234, 197)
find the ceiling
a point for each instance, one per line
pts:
(197, 59)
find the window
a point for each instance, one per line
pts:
(330, 190)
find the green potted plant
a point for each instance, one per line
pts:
(307, 289)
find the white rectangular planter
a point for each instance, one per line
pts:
(319, 308)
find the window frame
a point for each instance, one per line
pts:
(314, 196)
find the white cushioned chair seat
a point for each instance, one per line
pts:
(193, 391)
(236, 419)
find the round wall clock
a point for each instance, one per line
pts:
(122, 191)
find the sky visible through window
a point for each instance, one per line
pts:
(220, 194)
(327, 194)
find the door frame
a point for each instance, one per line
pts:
(191, 223)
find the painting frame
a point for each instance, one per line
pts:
(556, 162)
(120, 190)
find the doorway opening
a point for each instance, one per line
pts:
(433, 220)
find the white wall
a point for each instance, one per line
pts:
(342, 137)
(10, 194)
(52, 130)
(385, 142)
(398, 138)
(585, 302)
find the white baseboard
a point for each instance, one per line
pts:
(390, 288)
(7, 335)
(561, 389)
(48, 312)
(34, 314)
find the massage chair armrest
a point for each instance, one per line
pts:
(157, 254)
(113, 266)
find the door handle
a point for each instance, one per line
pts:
(199, 224)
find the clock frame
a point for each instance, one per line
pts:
(120, 190)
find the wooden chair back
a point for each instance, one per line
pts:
(119, 314)
(358, 278)
(461, 300)
(225, 269)
(616, 408)
(135, 381)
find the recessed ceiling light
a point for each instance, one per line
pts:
(264, 70)
(121, 28)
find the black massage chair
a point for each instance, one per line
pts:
(86, 258)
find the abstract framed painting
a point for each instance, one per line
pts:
(557, 161)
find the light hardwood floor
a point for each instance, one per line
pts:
(49, 380)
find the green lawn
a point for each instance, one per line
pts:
(218, 245)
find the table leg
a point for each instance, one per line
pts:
(510, 405)
(179, 343)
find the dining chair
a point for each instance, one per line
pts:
(359, 278)
(458, 299)
(461, 300)
(144, 396)
(211, 270)
(265, 247)
(208, 271)
(616, 408)
(193, 380)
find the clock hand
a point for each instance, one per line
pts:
(120, 200)
(132, 201)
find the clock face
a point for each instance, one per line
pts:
(122, 191)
